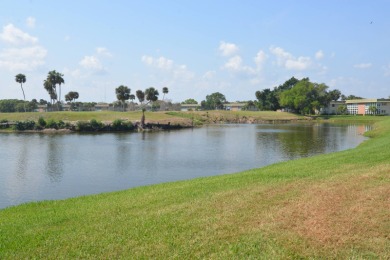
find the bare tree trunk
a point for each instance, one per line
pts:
(24, 97)
(143, 118)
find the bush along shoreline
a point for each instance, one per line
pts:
(93, 125)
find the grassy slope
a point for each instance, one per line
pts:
(329, 206)
(183, 118)
(81, 116)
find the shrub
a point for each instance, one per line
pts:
(41, 122)
(93, 125)
(96, 125)
(51, 123)
(120, 125)
(26, 125)
(83, 126)
(61, 124)
(4, 124)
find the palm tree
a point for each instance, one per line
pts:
(48, 85)
(71, 96)
(122, 94)
(151, 95)
(55, 78)
(21, 78)
(132, 97)
(165, 91)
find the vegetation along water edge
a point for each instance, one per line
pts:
(129, 121)
(328, 206)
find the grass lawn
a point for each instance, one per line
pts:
(174, 117)
(329, 206)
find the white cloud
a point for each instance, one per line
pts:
(319, 55)
(160, 63)
(181, 72)
(281, 55)
(28, 58)
(30, 22)
(209, 75)
(288, 61)
(103, 51)
(15, 36)
(91, 63)
(362, 66)
(228, 49)
(234, 63)
(260, 59)
(169, 68)
(302, 63)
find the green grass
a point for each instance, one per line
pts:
(353, 118)
(174, 117)
(83, 116)
(328, 206)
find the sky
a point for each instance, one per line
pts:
(195, 48)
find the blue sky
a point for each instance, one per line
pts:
(194, 48)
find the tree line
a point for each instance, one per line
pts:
(300, 96)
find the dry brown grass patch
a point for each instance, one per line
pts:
(334, 214)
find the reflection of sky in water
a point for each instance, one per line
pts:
(38, 167)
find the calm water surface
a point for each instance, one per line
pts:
(55, 166)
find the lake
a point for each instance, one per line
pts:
(36, 166)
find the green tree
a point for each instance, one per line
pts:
(165, 91)
(150, 95)
(21, 79)
(350, 97)
(71, 96)
(140, 95)
(342, 110)
(268, 99)
(122, 94)
(214, 101)
(132, 97)
(53, 79)
(334, 95)
(190, 101)
(305, 97)
(373, 110)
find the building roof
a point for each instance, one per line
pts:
(366, 100)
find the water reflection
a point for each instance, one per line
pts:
(60, 166)
(54, 154)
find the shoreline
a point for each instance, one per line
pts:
(295, 209)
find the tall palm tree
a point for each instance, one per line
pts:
(21, 78)
(151, 95)
(54, 78)
(122, 94)
(50, 88)
(165, 91)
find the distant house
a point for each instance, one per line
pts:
(363, 106)
(102, 107)
(332, 108)
(189, 107)
(239, 106)
(66, 107)
(41, 108)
